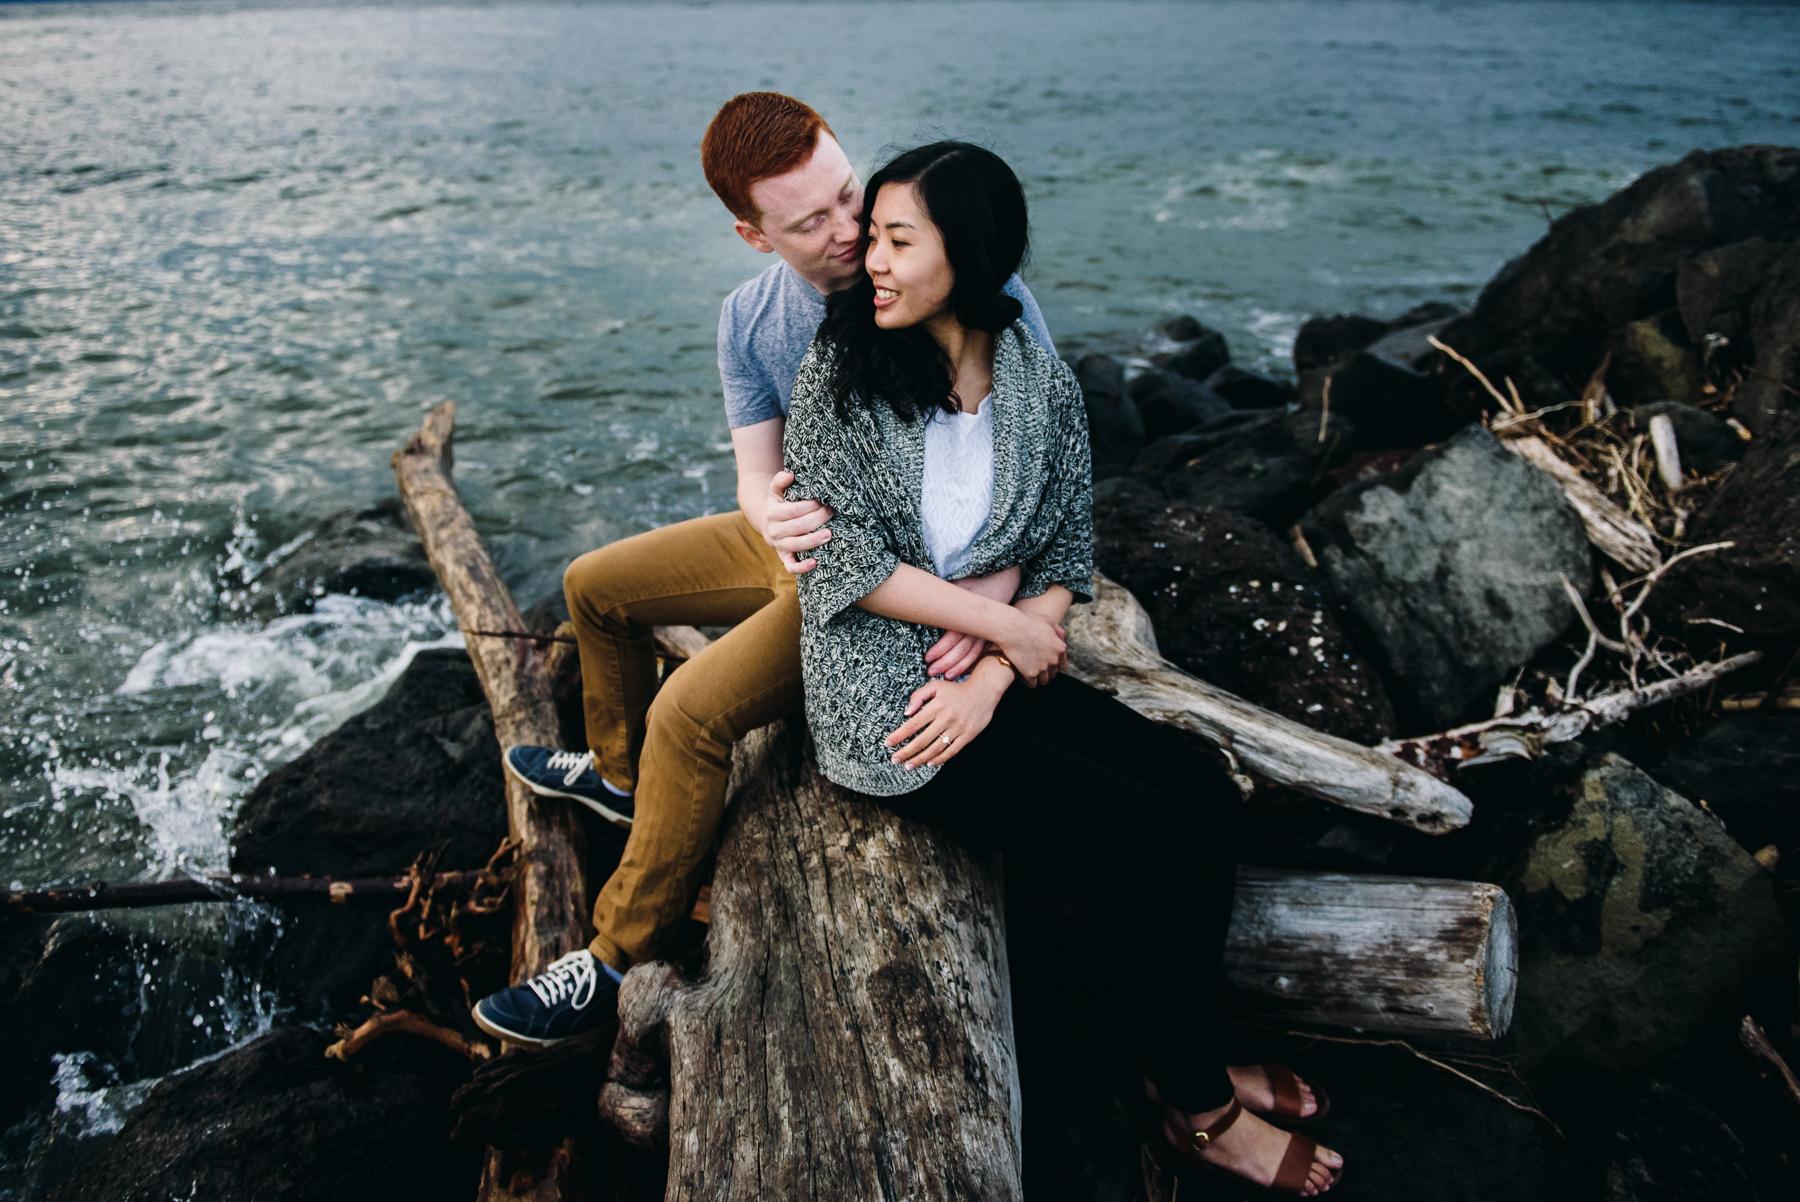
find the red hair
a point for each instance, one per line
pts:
(753, 137)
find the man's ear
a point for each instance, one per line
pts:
(753, 236)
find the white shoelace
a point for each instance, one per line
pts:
(576, 762)
(574, 977)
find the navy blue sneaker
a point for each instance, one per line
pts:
(552, 773)
(573, 995)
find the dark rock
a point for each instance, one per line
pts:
(1198, 353)
(1716, 288)
(1428, 313)
(1268, 465)
(1250, 390)
(1705, 441)
(1366, 465)
(419, 768)
(1169, 403)
(1641, 924)
(1124, 486)
(1754, 585)
(1604, 266)
(275, 1120)
(1324, 339)
(1652, 361)
(366, 552)
(1391, 404)
(1539, 385)
(1114, 426)
(1233, 605)
(1452, 567)
(1410, 342)
(1746, 768)
(418, 771)
(1671, 1147)
(1774, 384)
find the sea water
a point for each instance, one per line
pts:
(244, 248)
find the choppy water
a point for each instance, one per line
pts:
(242, 249)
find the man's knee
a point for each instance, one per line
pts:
(589, 583)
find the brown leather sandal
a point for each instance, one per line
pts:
(1290, 1177)
(1288, 1101)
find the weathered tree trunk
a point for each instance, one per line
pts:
(1112, 646)
(850, 1035)
(222, 887)
(1378, 953)
(551, 894)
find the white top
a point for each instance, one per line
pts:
(958, 489)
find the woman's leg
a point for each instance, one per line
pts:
(1059, 817)
(1103, 730)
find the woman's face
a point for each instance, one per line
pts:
(906, 260)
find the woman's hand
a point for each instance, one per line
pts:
(955, 655)
(943, 716)
(1038, 650)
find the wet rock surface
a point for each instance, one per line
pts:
(1169, 403)
(1642, 924)
(1451, 568)
(420, 770)
(1755, 584)
(1390, 403)
(369, 551)
(1114, 424)
(276, 1120)
(1196, 351)
(1236, 607)
(1705, 441)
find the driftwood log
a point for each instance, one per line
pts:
(222, 887)
(850, 1035)
(1112, 646)
(550, 894)
(1377, 953)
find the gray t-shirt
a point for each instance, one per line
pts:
(766, 327)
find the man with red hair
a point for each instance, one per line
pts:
(657, 761)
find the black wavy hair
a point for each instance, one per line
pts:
(975, 201)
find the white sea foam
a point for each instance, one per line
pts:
(95, 1110)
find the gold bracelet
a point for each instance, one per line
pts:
(999, 655)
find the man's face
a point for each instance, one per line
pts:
(810, 218)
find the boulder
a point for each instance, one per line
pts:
(419, 768)
(1234, 605)
(275, 1120)
(1452, 570)
(1170, 404)
(1605, 266)
(1115, 428)
(1652, 361)
(1754, 585)
(1408, 343)
(1669, 1146)
(1391, 404)
(1324, 339)
(1716, 288)
(1195, 351)
(1268, 465)
(1773, 385)
(1706, 443)
(1243, 389)
(1746, 768)
(418, 771)
(368, 551)
(1641, 923)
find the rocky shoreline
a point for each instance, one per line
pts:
(1360, 549)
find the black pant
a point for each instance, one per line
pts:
(1080, 793)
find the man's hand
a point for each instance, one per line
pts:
(953, 655)
(794, 527)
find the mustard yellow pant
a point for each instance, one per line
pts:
(674, 752)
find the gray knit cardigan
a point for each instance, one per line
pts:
(860, 668)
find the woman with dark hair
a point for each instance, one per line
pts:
(949, 444)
